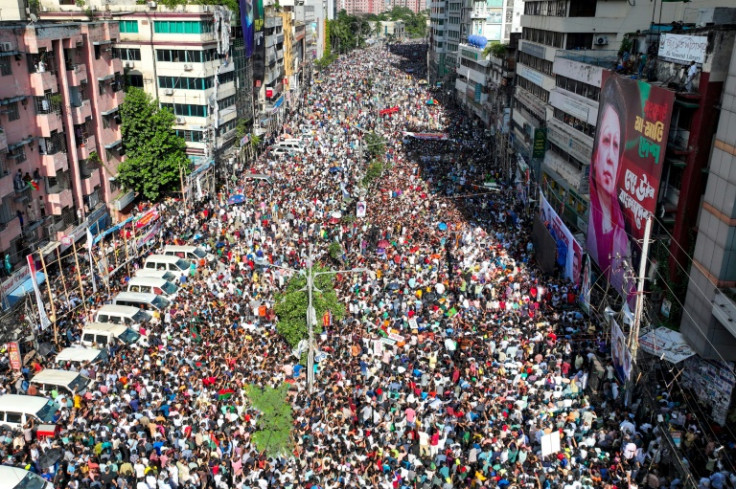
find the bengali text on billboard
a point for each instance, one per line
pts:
(628, 154)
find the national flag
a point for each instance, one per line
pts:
(33, 184)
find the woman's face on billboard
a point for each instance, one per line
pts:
(607, 155)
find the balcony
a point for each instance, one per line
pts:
(51, 164)
(76, 74)
(90, 181)
(85, 148)
(570, 139)
(49, 122)
(41, 82)
(273, 22)
(82, 112)
(279, 39)
(3, 141)
(531, 103)
(59, 200)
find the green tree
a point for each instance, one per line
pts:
(273, 434)
(155, 154)
(496, 49)
(376, 144)
(291, 306)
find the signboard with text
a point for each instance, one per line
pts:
(628, 155)
(683, 48)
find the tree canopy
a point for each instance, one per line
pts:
(155, 154)
(273, 434)
(291, 306)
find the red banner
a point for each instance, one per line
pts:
(14, 354)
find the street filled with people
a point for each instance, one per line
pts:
(457, 363)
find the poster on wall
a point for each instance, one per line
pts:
(714, 382)
(620, 354)
(569, 251)
(628, 154)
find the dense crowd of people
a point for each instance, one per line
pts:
(456, 365)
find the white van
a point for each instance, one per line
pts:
(164, 274)
(16, 410)
(17, 478)
(164, 262)
(131, 317)
(195, 254)
(151, 285)
(79, 355)
(286, 150)
(147, 302)
(51, 379)
(104, 334)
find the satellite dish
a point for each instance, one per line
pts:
(34, 18)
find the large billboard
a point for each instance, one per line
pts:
(628, 153)
(569, 251)
(246, 22)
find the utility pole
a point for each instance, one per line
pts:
(639, 307)
(311, 313)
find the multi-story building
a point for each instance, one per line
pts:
(415, 6)
(180, 56)
(355, 7)
(60, 140)
(549, 26)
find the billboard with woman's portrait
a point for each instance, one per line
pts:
(628, 155)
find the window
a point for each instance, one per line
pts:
(577, 87)
(18, 155)
(539, 64)
(185, 83)
(129, 54)
(14, 418)
(181, 27)
(226, 102)
(5, 66)
(191, 136)
(225, 128)
(187, 109)
(12, 111)
(226, 77)
(129, 26)
(541, 36)
(575, 123)
(186, 56)
(579, 41)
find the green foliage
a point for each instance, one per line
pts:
(255, 140)
(240, 128)
(273, 434)
(415, 24)
(376, 144)
(291, 306)
(233, 5)
(155, 154)
(335, 250)
(495, 49)
(373, 172)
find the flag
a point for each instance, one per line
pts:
(32, 184)
(90, 239)
(44, 319)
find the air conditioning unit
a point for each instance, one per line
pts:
(188, 68)
(152, 4)
(169, 91)
(601, 41)
(129, 64)
(180, 120)
(6, 46)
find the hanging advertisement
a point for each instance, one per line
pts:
(246, 21)
(586, 284)
(14, 355)
(620, 354)
(569, 251)
(259, 43)
(628, 154)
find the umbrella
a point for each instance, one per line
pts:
(383, 244)
(45, 349)
(49, 458)
(442, 226)
(236, 199)
(393, 286)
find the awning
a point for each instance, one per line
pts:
(8, 53)
(11, 100)
(666, 344)
(106, 77)
(20, 143)
(23, 288)
(114, 144)
(101, 42)
(111, 111)
(687, 105)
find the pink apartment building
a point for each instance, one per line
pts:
(354, 7)
(60, 89)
